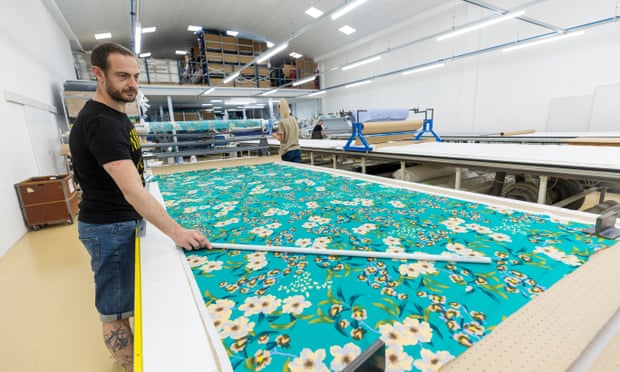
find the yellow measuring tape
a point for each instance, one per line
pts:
(137, 342)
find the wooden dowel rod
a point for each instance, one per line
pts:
(339, 252)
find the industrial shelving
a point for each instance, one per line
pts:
(218, 55)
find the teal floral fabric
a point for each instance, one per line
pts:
(294, 312)
(201, 125)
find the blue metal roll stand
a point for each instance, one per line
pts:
(358, 129)
(427, 124)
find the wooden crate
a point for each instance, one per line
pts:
(47, 199)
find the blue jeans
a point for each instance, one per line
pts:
(112, 252)
(293, 155)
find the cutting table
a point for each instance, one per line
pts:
(178, 334)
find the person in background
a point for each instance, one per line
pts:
(108, 165)
(288, 134)
(318, 132)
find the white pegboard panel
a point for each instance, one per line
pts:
(552, 331)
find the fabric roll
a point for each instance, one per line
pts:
(376, 127)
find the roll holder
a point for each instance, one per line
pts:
(357, 131)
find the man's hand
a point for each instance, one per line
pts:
(191, 239)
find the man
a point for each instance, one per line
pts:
(288, 134)
(108, 165)
(318, 132)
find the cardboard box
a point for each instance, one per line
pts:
(245, 59)
(213, 37)
(231, 58)
(215, 57)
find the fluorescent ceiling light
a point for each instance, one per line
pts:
(271, 52)
(304, 81)
(216, 101)
(347, 8)
(208, 91)
(347, 30)
(180, 52)
(314, 12)
(542, 41)
(269, 44)
(425, 68)
(316, 93)
(359, 63)
(480, 25)
(239, 101)
(138, 40)
(148, 30)
(145, 55)
(232, 33)
(105, 35)
(296, 55)
(207, 104)
(232, 77)
(194, 28)
(358, 83)
(269, 92)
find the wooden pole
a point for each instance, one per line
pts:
(340, 252)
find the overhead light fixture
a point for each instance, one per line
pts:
(358, 84)
(232, 33)
(314, 12)
(316, 93)
(296, 55)
(360, 63)
(347, 8)
(207, 104)
(148, 30)
(180, 52)
(138, 39)
(304, 81)
(480, 25)
(145, 55)
(269, 92)
(271, 52)
(208, 91)
(347, 30)
(232, 77)
(269, 44)
(239, 101)
(216, 101)
(194, 28)
(425, 68)
(105, 35)
(543, 41)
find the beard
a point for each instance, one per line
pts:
(126, 95)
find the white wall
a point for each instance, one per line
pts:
(36, 59)
(494, 91)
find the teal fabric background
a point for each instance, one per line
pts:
(277, 311)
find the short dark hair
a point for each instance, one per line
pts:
(99, 55)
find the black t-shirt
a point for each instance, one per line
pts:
(316, 132)
(101, 135)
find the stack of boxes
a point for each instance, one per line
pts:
(305, 68)
(227, 54)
